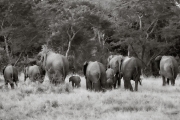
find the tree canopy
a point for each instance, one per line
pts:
(90, 29)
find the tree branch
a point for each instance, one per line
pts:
(137, 55)
(153, 25)
(24, 50)
(140, 21)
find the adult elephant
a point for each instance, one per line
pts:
(35, 73)
(168, 68)
(131, 70)
(10, 74)
(56, 65)
(115, 63)
(95, 75)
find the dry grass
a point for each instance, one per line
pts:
(44, 102)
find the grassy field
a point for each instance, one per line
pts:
(31, 101)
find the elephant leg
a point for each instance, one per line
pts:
(16, 84)
(136, 85)
(12, 85)
(164, 80)
(173, 82)
(25, 77)
(125, 83)
(119, 80)
(96, 86)
(116, 79)
(50, 77)
(6, 84)
(88, 85)
(72, 84)
(168, 81)
(129, 85)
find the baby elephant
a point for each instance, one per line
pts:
(75, 81)
(110, 78)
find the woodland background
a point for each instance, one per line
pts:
(87, 30)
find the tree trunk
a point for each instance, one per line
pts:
(7, 49)
(69, 47)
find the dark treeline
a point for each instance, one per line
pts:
(87, 30)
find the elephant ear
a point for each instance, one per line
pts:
(4, 69)
(85, 67)
(158, 59)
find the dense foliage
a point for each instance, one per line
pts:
(89, 30)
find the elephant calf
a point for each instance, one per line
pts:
(10, 74)
(110, 78)
(76, 81)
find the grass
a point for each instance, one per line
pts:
(33, 101)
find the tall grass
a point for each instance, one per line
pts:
(44, 101)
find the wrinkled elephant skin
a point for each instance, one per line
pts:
(95, 75)
(10, 75)
(168, 68)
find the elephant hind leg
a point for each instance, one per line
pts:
(73, 84)
(12, 85)
(116, 80)
(6, 84)
(96, 86)
(168, 81)
(119, 80)
(136, 85)
(164, 81)
(173, 82)
(88, 85)
(129, 86)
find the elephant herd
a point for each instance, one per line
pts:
(98, 77)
